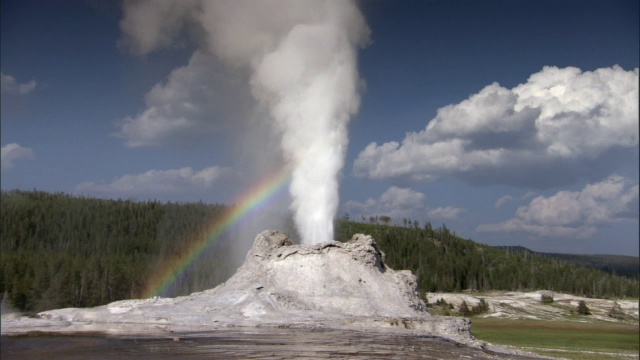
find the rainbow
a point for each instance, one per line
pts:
(251, 201)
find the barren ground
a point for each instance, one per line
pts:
(528, 305)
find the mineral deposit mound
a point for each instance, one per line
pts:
(329, 285)
(331, 279)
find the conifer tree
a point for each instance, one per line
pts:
(464, 309)
(583, 309)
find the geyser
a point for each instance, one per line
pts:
(331, 285)
(300, 58)
(307, 79)
(310, 84)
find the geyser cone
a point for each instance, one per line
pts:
(330, 285)
(331, 278)
(327, 285)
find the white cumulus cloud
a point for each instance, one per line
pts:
(574, 214)
(563, 123)
(197, 100)
(503, 200)
(157, 182)
(11, 86)
(445, 213)
(14, 152)
(400, 203)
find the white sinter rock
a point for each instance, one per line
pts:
(326, 285)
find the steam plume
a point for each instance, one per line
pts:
(302, 62)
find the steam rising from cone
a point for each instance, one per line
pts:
(302, 62)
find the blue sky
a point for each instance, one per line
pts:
(512, 122)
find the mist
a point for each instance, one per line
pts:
(299, 59)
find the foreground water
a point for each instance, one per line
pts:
(241, 344)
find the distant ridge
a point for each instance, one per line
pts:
(623, 265)
(514, 248)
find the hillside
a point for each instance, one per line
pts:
(442, 261)
(61, 251)
(628, 266)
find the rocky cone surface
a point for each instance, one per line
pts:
(328, 285)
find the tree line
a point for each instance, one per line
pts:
(443, 261)
(59, 250)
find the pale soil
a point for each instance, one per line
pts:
(527, 305)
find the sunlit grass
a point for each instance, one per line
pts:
(567, 339)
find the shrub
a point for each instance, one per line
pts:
(464, 309)
(583, 309)
(616, 311)
(440, 307)
(546, 298)
(480, 308)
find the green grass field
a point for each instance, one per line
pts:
(567, 339)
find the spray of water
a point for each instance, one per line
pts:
(301, 58)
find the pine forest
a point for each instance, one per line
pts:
(59, 251)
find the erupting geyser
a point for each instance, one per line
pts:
(300, 58)
(308, 79)
(310, 83)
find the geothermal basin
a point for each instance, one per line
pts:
(295, 297)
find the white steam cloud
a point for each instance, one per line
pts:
(302, 63)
